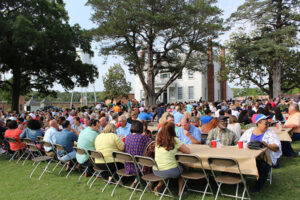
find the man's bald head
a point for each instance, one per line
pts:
(53, 123)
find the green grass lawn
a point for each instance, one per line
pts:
(15, 184)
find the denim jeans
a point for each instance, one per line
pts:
(69, 156)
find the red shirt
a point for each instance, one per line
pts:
(14, 133)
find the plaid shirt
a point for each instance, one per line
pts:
(226, 137)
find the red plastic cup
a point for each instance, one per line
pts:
(123, 139)
(214, 143)
(240, 144)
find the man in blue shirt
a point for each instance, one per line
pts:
(188, 133)
(207, 118)
(124, 129)
(178, 116)
(143, 115)
(66, 138)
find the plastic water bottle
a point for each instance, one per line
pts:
(280, 126)
(245, 144)
(218, 142)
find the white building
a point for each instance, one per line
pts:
(191, 86)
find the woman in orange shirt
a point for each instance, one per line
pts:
(14, 132)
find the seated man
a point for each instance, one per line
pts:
(225, 136)
(66, 138)
(50, 137)
(124, 129)
(188, 133)
(103, 123)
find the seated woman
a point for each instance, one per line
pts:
(14, 132)
(135, 144)
(244, 118)
(107, 142)
(265, 135)
(167, 145)
(33, 130)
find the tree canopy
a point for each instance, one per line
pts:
(115, 84)
(156, 36)
(268, 56)
(38, 47)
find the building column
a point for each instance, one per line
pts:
(223, 85)
(210, 74)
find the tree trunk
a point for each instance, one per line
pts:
(276, 79)
(16, 89)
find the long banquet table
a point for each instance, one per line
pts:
(245, 157)
(283, 134)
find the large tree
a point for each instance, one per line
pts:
(115, 84)
(265, 56)
(156, 36)
(38, 47)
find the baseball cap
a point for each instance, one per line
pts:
(261, 117)
(142, 109)
(222, 117)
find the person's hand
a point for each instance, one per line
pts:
(186, 133)
(210, 145)
(266, 145)
(122, 137)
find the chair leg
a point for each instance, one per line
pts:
(84, 171)
(112, 194)
(219, 187)
(55, 166)
(205, 191)
(34, 169)
(243, 193)
(144, 190)
(21, 157)
(71, 169)
(166, 188)
(91, 177)
(62, 168)
(13, 156)
(136, 186)
(26, 159)
(93, 182)
(184, 184)
(237, 191)
(270, 179)
(45, 169)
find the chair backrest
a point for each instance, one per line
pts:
(32, 147)
(145, 161)
(47, 144)
(80, 151)
(27, 141)
(40, 138)
(187, 159)
(59, 147)
(96, 154)
(122, 157)
(222, 162)
(12, 140)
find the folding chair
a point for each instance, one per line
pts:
(150, 178)
(81, 151)
(40, 138)
(39, 159)
(59, 147)
(192, 175)
(48, 144)
(13, 140)
(128, 158)
(229, 179)
(26, 150)
(98, 155)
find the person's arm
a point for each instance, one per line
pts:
(210, 137)
(119, 143)
(184, 149)
(194, 141)
(272, 147)
(23, 134)
(290, 126)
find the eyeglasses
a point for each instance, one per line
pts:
(266, 124)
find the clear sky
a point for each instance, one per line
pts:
(79, 13)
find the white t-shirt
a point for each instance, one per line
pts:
(236, 128)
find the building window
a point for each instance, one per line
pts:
(191, 74)
(164, 76)
(191, 92)
(179, 93)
